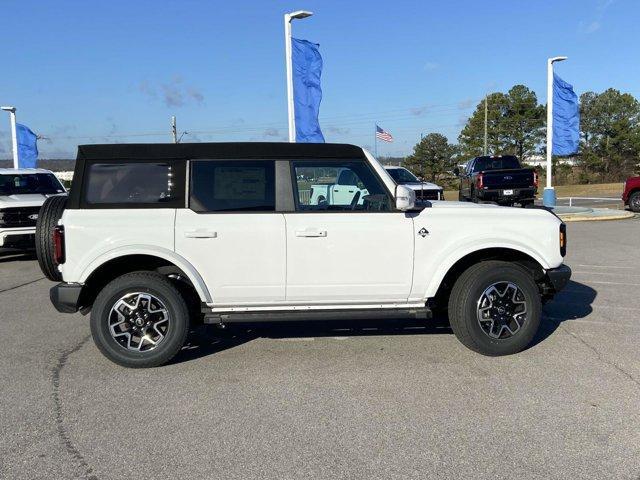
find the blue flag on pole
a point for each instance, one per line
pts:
(566, 118)
(307, 94)
(27, 147)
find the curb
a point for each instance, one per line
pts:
(576, 217)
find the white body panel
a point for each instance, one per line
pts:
(241, 256)
(457, 229)
(349, 257)
(94, 236)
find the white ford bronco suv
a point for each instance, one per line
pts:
(155, 236)
(22, 193)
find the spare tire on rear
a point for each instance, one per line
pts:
(50, 212)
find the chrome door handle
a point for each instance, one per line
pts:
(200, 234)
(311, 233)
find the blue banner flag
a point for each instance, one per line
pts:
(27, 147)
(307, 94)
(566, 118)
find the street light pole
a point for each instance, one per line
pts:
(14, 135)
(486, 114)
(549, 196)
(288, 17)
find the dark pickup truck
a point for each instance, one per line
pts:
(497, 179)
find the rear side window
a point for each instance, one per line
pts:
(232, 186)
(132, 183)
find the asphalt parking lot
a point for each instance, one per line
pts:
(350, 401)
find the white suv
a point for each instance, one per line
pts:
(154, 237)
(22, 193)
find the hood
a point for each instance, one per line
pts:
(422, 186)
(25, 200)
(466, 205)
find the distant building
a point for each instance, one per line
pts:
(541, 161)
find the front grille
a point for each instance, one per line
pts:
(428, 195)
(19, 217)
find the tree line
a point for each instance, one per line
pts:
(609, 148)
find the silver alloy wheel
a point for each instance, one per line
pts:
(139, 321)
(635, 203)
(501, 310)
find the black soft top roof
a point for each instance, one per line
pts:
(185, 151)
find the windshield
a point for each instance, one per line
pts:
(402, 175)
(44, 183)
(498, 163)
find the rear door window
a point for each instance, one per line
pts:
(232, 186)
(135, 183)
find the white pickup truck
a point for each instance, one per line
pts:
(22, 193)
(346, 190)
(154, 237)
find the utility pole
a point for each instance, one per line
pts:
(174, 131)
(486, 114)
(14, 137)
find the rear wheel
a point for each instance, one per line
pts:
(48, 216)
(495, 308)
(139, 320)
(634, 202)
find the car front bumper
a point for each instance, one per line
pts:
(66, 297)
(18, 238)
(559, 277)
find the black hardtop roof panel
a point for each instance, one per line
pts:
(181, 151)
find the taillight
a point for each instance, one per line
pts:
(479, 181)
(563, 239)
(535, 179)
(58, 245)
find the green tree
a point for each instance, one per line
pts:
(610, 134)
(515, 124)
(431, 156)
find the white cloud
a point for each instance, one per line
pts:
(431, 66)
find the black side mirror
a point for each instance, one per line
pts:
(456, 171)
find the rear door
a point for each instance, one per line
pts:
(350, 250)
(232, 233)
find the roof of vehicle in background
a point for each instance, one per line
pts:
(22, 171)
(239, 150)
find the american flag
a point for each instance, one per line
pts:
(382, 135)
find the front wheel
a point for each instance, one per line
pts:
(495, 308)
(634, 202)
(139, 320)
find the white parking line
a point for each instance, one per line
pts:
(595, 322)
(603, 266)
(606, 273)
(608, 307)
(626, 284)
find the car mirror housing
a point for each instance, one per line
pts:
(405, 198)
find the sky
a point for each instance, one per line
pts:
(115, 71)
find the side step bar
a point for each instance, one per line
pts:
(310, 315)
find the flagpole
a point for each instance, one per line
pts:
(14, 137)
(549, 194)
(375, 140)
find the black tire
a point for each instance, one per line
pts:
(634, 202)
(48, 216)
(147, 283)
(464, 305)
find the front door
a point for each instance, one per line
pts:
(232, 232)
(347, 250)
